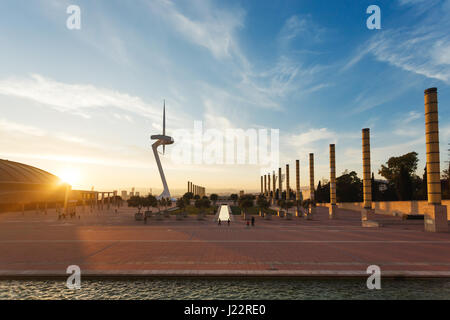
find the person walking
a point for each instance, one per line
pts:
(219, 222)
(228, 221)
(253, 221)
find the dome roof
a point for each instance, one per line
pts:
(15, 172)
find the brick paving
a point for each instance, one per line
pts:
(109, 244)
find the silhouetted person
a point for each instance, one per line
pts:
(219, 222)
(248, 223)
(228, 221)
(253, 221)
(145, 219)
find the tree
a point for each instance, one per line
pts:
(162, 203)
(187, 197)
(214, 197)
(198, 204)
(394, 165)
(234, 197)
(322, 193)
(245, 202)
(181, 203)
(202, 204)
(196, 197)
(262, 203)
(136, 202)
(446, 183)
(348, 187)
(149, 201)
(286, 204)
(206, 203)
(400, 171)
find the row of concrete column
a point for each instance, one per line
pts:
(196, 190)
(88, 198)
(435, 215)
(266, 185)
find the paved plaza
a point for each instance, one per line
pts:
(105, 243)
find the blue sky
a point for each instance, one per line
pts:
(88, 99)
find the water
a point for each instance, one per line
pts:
(258, 289)
(224, 213)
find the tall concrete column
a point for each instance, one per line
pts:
(274, 179)
(288, 189)
(333, 208)
(280, 184)
(367, 181)
(265, 185)
(262, 184)
(435, 213)
(268, 184)
(311, 177)
(297, 180)
(311, 186)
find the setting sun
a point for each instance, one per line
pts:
(69, 175)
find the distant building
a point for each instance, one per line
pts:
(137, 194)
(241, 193)
(382, 184)
(22, 184)
(124, 194)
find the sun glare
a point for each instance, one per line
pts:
(70, 175)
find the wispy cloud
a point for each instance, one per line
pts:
(75, 98)
(422, 48)
(11, 127)
(302, 27)
(213, 30)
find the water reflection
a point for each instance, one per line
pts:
(272, 289)
(224, 213)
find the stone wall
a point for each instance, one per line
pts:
(390, 207)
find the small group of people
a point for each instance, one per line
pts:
(252, 220)
(220, 222)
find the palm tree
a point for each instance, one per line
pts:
(187, 197)
(214, 197)
(262, 203)
(136, 202)
(162, 203)
(181, 203)
(245, 202)
(234, 197)
(149, 201)
(298, 204)
(287, 205)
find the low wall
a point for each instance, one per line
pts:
(389, 207)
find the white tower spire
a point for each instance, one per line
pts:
(162, 140)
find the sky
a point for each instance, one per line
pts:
(82, 103)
